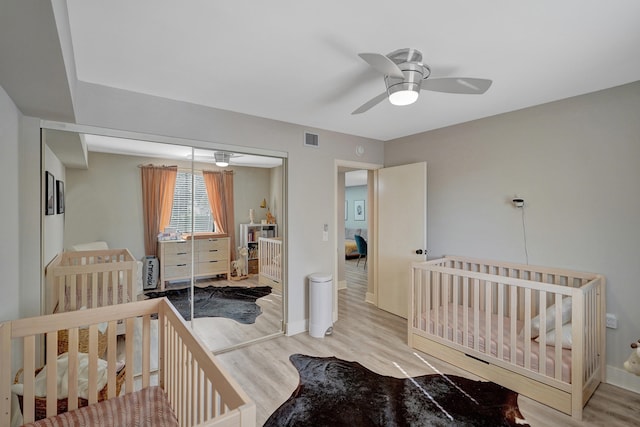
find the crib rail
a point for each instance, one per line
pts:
(200, 392)
(489, 310)
(270, 261)
(90, 279)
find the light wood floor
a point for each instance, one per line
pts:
(377, 340)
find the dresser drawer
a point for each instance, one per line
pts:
(176, 247)
(212, 267)
(175, 259)
(212, 255)
(171, 271)
(221, 244)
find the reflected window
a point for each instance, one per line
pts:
(182, 209)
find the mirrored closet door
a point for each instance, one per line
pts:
(133, 219)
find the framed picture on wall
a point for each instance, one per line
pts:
(358, 210)
(60, 196)
(50, 194)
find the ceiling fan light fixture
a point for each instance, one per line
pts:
(221, 158)
(403, 93)
(403, 97)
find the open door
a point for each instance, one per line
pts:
(402, 232)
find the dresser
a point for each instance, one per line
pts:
(210, 258)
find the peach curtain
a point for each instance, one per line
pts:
(158, 185)
(220, 193)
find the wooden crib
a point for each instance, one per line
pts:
(94, 278)
(197, 389)
(270, 262)
(499, 321)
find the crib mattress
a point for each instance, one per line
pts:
(147, 407)
(493, 339)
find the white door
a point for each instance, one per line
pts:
(402, 230)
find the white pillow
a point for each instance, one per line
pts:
(551, 318)
(92, 246)
(567, 339)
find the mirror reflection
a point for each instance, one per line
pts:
(146, 220)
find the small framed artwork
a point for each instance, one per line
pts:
(358, 210)
(346, 212)
(50, 194)
(60, 196)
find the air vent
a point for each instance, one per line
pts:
(311, 140)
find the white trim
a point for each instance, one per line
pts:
(297, 327)
(370, 297)
(623, 379)
(342, 284)
(72, 127)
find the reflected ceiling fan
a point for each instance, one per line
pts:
(405, 75)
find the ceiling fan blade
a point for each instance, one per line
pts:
(457, 85)
(370, 103)
(382, 64)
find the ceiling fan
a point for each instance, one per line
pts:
(405, 75)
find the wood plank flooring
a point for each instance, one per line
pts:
(377, 340)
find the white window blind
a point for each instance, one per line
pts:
(182, 209)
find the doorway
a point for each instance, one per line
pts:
(355, 202)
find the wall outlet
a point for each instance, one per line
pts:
(612, 321)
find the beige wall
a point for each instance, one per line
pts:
(9, 213)
(576, 162)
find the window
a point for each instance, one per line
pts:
(181, 210)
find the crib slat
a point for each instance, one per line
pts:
(73, 373)
(487, 317)
(92, 389)
(456, 303)
(111, 358)
(500, 320)
(146, 351)
(465, 320)
(436, 304)
(513, 311)
(445, 305)
(527, 329)
(52, 373)
(28, 374)
(476, 314)
(542, 348)
(558, 340)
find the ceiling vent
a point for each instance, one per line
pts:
(311, 140)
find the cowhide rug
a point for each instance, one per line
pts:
(334, 392)
(232, 302)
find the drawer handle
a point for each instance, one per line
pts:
(181, 265)
(181, 253)
(213, 250)
(213, 261)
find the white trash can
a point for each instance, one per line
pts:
(320, 304)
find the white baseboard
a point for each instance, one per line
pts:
(623, 379)
(342, 284)
(294, 328)
(370, 298)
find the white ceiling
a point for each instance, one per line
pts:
(105, 144)
(296, 61)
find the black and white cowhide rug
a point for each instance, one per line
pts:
(233, 302)
(334, 392)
